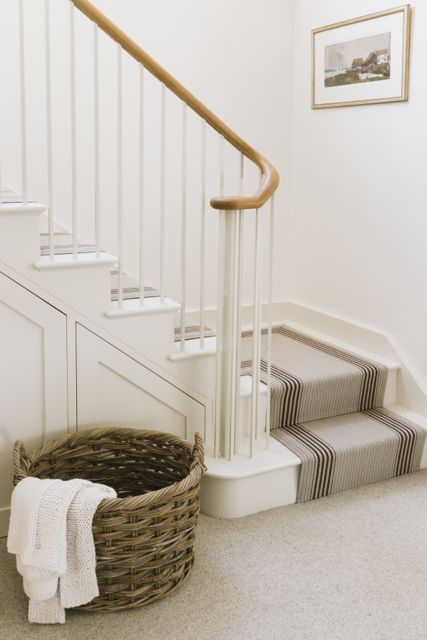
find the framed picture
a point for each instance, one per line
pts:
(362, 61)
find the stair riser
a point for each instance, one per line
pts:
(19, 239)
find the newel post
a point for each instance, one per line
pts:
(228, 334)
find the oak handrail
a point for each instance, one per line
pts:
(269, 176)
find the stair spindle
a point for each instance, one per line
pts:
(256, 350)
(23, 106)
(221, 165)
(120, 250)
(73, 113)
(96, 131)
(203, 237)
(218, 419)
(184, 226)
(141, 186)
(270, 320)
(238, 329)
(235, 301)
(49, 129)
(1, 169)
(162, 191)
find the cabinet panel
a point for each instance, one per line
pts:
(33, 377)
(114, 389)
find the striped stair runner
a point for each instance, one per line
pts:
(352, 450)
(313, 380)
(192, 332)
(326, 407)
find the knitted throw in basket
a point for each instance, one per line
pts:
(144, 538)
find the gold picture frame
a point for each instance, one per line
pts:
(351, 44)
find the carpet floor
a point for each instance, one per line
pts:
(352, 566)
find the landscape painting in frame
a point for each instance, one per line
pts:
(362, 61)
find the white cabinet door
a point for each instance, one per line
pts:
(113, 389)
(33, 377)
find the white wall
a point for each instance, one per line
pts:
(235, 57)
(357, 232)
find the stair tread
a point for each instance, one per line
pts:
(312, 379)
(66, 248)
(351, 450)
(193, 332)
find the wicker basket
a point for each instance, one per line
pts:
(144, 539)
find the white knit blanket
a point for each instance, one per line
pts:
(50, 533)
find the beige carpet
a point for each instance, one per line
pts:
(352, 566)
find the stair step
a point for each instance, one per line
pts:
(193, 332)
(344, 452)
(132, 293)
(312, 379)
(69, 261)
(13, 207)
(65, 248)
(133, 307)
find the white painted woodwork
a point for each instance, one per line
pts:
(114, 389)
(19, 237)
(232, 489)
(33, 375)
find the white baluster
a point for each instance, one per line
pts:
(73, 132)
(235, 302)
(203, 238)
(96, 141)
(240, 231)
(119, 179)
(256, 351)
(220, 310)
(162, 192)
(49, 128)
(23, 104)
(184, 225)
(1, 170)
(270, 319)
(219, 335)
(141, 186)
(221, 165)
(242, 174)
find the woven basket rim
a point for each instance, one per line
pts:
(22, 463)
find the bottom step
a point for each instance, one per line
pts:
(243, 486)
(348, 451)
(316, 459)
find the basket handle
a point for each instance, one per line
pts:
(21, 461)
(199, 451)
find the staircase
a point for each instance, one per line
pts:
(142, 329)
